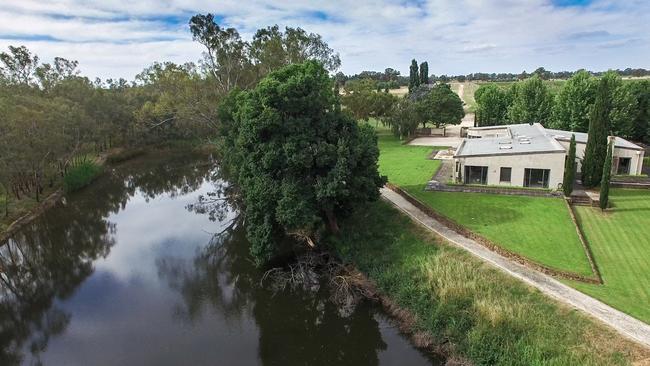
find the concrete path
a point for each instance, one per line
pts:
(621, 322)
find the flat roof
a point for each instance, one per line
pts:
(525, 139)
(522, 139)
(581, 137)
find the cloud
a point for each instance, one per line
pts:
(117, 38)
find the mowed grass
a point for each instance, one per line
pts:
(488, 317)
(620, 241)
(405, 164)
(538, 228)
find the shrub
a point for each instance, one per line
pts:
(81, 175)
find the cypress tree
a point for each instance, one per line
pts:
(424, 73)
(599, 125)
(414, 78)
(607, 172)
(570, 168)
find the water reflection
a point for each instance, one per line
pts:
(127, 274)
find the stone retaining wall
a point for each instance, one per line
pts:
(493, 190)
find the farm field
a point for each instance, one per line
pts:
(621, 246)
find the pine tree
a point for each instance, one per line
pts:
(570, 168)
(599, 125)
(414, 78)
(424, 73)
(607, 172)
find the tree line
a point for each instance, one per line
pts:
(426, 103)
(570, 108)
(52, 117)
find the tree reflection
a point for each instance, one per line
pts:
(295, 327)
(46, 261)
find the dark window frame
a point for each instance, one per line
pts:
(471, 171)
(530, 176)
(509, 170)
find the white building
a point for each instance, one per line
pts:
(527, 155)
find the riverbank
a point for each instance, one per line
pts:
(25, 210)
(468, 309)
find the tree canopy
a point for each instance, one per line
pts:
(599, 127)
(438, 105)
(491, 105)
(573, 102)
(299, 162)
(531, 102)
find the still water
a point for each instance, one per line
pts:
(127, 272)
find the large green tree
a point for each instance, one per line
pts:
(599, 127)
(298, 161)
(491, 105)
(362, 99)
(573, 102)
(531, 103)
(236, 63)
(424, 73)
(414, 78)
(403, 120)
(631, 110)
(438, 105)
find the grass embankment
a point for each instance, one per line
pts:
(81, 175)
(537, 228)
(621, 246)
(486, 316)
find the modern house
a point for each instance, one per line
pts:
(526, 155)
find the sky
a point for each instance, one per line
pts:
(118, 38)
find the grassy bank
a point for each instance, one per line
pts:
(621, 246)
(538, 228)
(81, 175)
(468, 307)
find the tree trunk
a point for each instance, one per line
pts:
(331, 219)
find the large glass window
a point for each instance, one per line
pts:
(475, 174)
(624, 165)
(536, 178)
(506, 174)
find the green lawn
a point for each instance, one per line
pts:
(620, 241)
(488, 317)
(405, 164)
(538, 228)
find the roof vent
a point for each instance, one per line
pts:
(525, 142)
(505, 147)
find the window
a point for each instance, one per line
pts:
(624, 166)
(536, 178)
(505, 175)
(475, 174)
